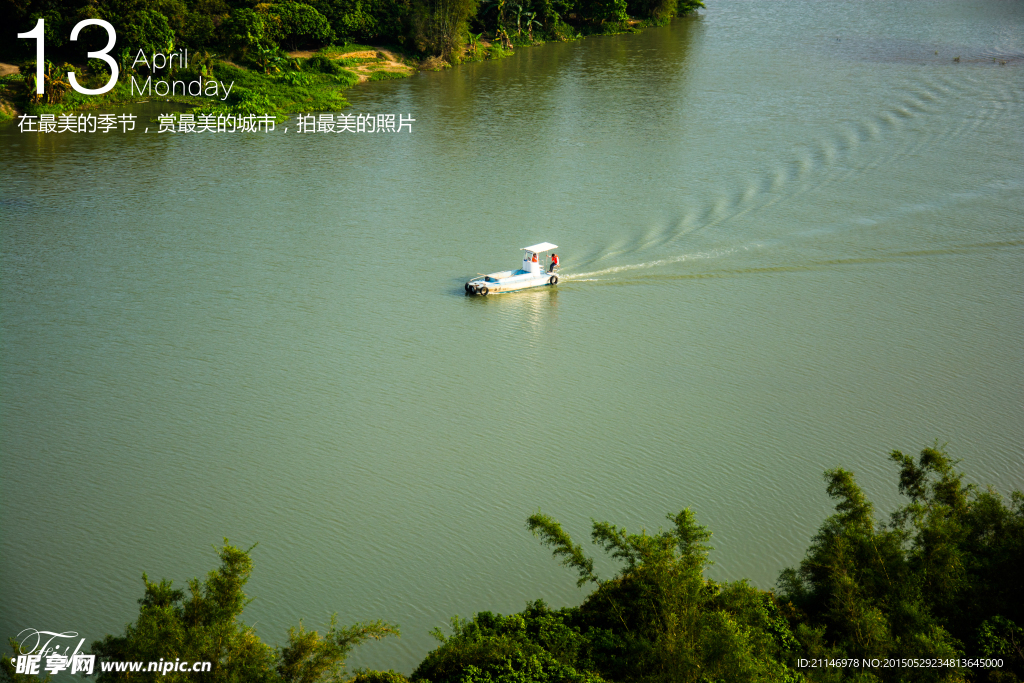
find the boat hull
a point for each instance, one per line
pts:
(516, 283)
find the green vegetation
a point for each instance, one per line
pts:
(940, 581)
(441, 26)
(245, 30)
(657, 619)
(314, 88)
(203, 625)
(251, 36)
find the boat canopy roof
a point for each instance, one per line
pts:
(538, 248)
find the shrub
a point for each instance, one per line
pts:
(323, 64)
(302, 25)
(386, 75)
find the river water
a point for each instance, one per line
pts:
(791, 237)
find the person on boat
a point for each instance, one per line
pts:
(554, 262)
(535, 258)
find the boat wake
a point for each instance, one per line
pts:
(594, 275)
(850, 153)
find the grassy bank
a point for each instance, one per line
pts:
(245, 47)
(293, 82)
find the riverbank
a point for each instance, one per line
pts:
(288, 82)
(301, 81)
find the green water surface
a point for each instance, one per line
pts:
(791, 237)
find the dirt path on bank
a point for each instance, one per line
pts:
(370, 61)
(7, 69)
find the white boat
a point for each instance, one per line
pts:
(530, 275)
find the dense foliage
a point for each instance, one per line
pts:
(247, 30)
(658, 619)
(203, 625)
(940, 581)
(223, 38)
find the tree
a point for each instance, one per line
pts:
(601, 12)
(659, 619)
(301, 25)
(966, 551)
(146, 30)
(55, 82)
(442, 26)
(250, 32)
(8, 671)
(309, 658)
(938, 581)
(538, 645)
(367, 20)
(662, 10)
(203, 625)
